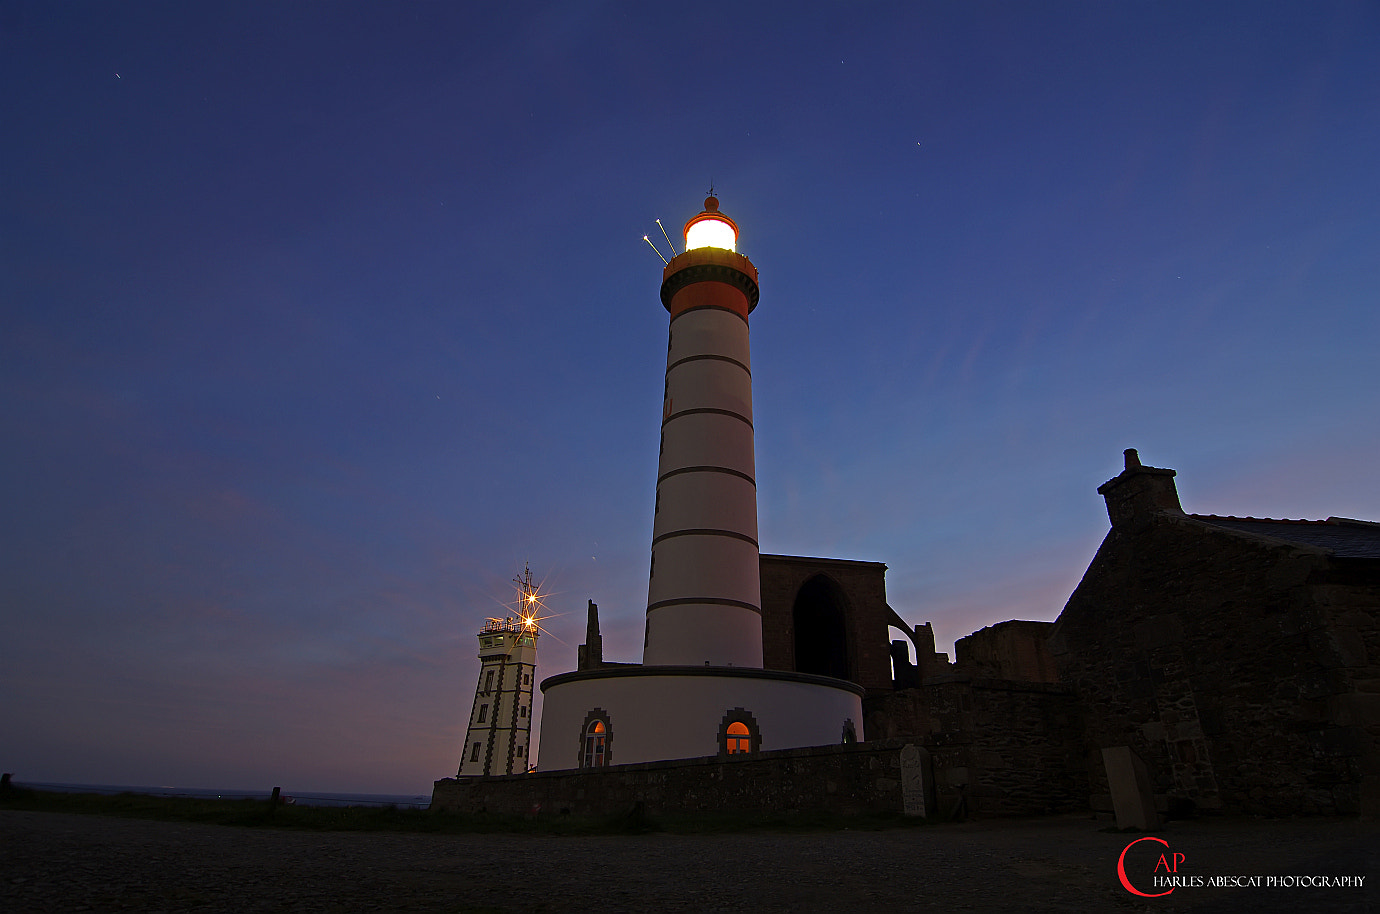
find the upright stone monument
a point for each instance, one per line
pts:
(1133, 799)
(917, 781)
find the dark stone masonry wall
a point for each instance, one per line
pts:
(1353, 640)
(845, 779)
(1245, 675)
(1008, 650)
(1003, 747)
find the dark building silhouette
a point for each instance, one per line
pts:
(1238, 658)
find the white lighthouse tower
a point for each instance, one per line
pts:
(701, 689)
(500, 726)
(703, 600)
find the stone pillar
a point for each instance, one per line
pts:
(917, 781)
(591, 654)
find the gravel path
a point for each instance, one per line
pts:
(52, 862)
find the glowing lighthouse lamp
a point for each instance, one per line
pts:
(711, 229)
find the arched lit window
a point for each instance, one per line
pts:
(594, 745)
(596, 740)
(738, 733)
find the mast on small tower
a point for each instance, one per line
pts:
(500, 725)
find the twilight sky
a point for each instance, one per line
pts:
(318, 320)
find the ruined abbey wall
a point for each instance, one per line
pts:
(862, 588)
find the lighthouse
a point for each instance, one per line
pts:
(500, 723)
(703, 599)
(701, 689)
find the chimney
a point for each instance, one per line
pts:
(1138, 493)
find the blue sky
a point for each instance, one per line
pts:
(317, 321)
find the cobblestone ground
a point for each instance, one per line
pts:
(53, 862)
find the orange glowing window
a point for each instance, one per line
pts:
(739, 739)
(594, 755)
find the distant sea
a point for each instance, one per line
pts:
(305, 798)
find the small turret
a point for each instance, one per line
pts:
(591, 654)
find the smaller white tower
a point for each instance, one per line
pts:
(500, 727)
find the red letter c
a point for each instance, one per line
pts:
(1121, 868)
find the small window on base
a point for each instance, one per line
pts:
(739, 734)
(596, 740)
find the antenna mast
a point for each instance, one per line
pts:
(668, 237)
(658, 253)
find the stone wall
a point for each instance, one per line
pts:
(1350, 646)
(1244, 672)
(1008, 650)
(1002, 747)
(844, 779)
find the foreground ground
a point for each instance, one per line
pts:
(64, 862)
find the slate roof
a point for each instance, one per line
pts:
(1341, 536)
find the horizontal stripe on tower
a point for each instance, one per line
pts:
(701, 531)
(707, 409)
(704, 469)
(712, 601)
(708, 308)
(717, 358)
(706, 267)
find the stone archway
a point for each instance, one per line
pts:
(820, 621)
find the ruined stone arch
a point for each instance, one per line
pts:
(819, 618)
